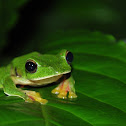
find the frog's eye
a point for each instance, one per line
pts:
(31, 66)
(69, 57)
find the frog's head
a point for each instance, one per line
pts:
(41, 69)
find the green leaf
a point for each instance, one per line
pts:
(99, 69)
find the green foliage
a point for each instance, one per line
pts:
(106, 15)
(99, 71)
(99, 64)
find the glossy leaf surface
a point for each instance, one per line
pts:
(99, 69)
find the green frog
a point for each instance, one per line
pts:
(35, 69)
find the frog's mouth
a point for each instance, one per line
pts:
(51, 76)
(39, 81)
(45, 81)
(48, 79)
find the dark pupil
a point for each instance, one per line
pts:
(69, 57)
(30, 66)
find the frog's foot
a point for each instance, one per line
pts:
(72, 95)
(34, 96)
(63, 89)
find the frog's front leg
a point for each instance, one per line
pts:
(35, 96)
(11, 90)
(29, 96)
(64, 87)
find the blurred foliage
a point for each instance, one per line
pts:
(8, 18)
(94, 15)
(25, 22)
(99, 65)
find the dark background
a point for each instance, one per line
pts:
(36, 20)
(25, 25)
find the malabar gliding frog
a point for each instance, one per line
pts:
(37, 69)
